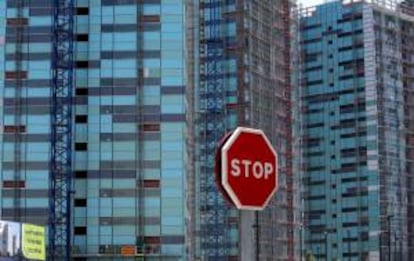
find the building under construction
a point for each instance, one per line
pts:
(357, 129)
(243, 65)
(111, 112)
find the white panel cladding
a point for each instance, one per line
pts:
(370, 83)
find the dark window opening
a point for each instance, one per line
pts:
(152, 240)
(81, 91)
(150, 19)
(14, 184)
(17, 21)
(82, 37)
(81, 146)
(316, 168)
(151, 183)
(81, 118)
(80, 230)
(315, 125)
(82, 11)
(80, 174)
(14, 129)
(16, 75)
(82, 64)
(81, 202)
(151, 127)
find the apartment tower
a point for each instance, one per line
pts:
(357, 130)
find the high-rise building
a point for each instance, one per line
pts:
(4, 239)
(132, 98)
(244, 67)
(357, 129)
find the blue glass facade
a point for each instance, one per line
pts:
(141, 53)
(154, 90)
(354, 152)
(129, 124)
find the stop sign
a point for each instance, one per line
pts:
(248, 169)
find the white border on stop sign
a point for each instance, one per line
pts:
(224, 173)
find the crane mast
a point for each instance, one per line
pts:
(61, 132)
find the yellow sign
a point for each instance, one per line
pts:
(33, 242)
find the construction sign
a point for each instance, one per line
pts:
(33, 242)
(21, 242)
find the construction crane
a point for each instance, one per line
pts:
(60, 176)
(214, 213)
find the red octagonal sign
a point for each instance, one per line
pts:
(248, 169)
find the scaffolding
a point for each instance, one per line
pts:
(407, 55)
(297, 129)
(268, 95)
(393, 22)
(285, 13)
(213, 209)
(60, 176)
(260, 47)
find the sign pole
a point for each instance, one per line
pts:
(257, 236)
